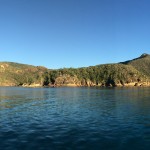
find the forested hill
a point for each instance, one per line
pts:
(141, 63)
(14, 74)
(134, 72)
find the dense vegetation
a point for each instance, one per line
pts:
(136, 70)
(109, 74)
(19, 74)
(105, 75)
(142, 64)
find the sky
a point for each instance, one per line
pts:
(73, 33)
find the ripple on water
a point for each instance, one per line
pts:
(74, 118)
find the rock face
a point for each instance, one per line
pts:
(32, 85)
(73, 81)
(136, 84)
(67, 80)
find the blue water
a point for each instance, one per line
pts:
(74, 118)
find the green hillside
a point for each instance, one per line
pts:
(142, 64)
(18, 74)
(103, 75)
(132, 72)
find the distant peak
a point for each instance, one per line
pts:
(144, 55)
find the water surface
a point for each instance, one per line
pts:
(74, 118)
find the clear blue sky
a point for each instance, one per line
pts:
(73, 33)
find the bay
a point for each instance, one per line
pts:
(74, 118)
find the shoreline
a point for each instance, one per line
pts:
(74, 85)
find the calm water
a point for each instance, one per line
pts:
(74, 118)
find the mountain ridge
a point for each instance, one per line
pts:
(133, 72)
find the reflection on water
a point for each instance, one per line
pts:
(74, 118)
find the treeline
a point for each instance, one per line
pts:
(99, 75)
(135, 70)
